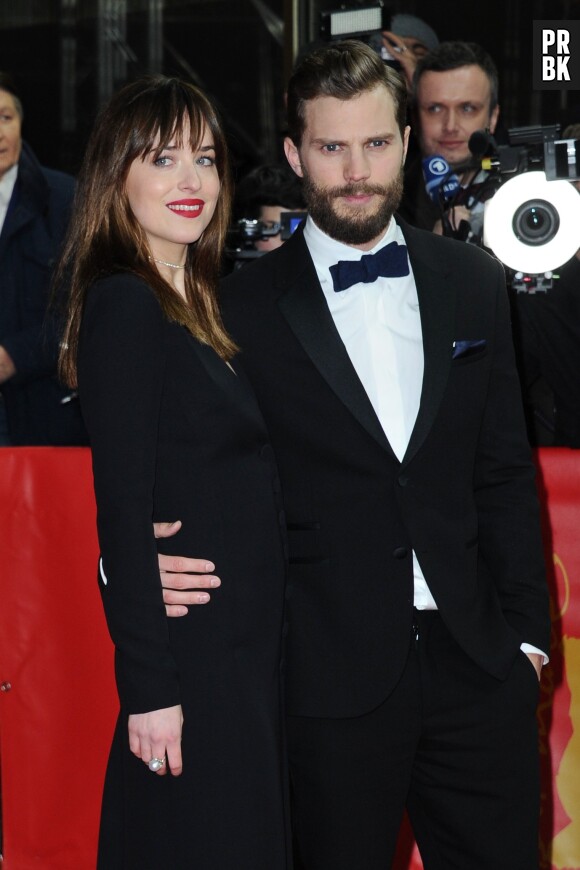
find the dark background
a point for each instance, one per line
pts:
(67, 55)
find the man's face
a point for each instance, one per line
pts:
(451, 106)
(10, 137)
(269, 215)
(351, 160)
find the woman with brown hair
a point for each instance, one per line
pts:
(196, 774)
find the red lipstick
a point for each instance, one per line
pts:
(187, 208)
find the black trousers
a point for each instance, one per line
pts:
(454, 745)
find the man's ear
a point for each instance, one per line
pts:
(292, 156)
(493, 119)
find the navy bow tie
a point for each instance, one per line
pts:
(390, 262)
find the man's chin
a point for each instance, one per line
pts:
(456, 160)
(355, 211)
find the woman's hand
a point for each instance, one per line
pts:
(399, 51)
(158, 735)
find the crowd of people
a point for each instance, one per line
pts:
(327, 449)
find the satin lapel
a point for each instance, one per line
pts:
(303, 305)
(437, 308)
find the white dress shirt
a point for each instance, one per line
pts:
(380, 326)
(7, 183)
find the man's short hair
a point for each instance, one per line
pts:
(342, 70)
(452, 55)
(7, 84)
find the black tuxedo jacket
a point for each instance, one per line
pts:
(463, 497)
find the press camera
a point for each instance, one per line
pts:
(532, 221)
(246, 231)
(360, 22)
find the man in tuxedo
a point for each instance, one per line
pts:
(417, 616)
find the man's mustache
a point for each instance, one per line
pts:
(358, 190)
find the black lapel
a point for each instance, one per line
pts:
(29, 197)
(437, 308)
(233, 383)
(303, 305)
(18, 215)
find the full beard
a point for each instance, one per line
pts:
(357, 227)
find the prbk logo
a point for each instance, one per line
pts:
(556, 55)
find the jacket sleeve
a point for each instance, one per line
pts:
(505, 492)
(121, 374)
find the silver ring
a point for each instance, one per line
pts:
(400, 48)
(156, 764)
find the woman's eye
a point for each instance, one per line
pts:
(206, 161)
(162, 161)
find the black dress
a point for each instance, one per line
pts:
(175, 434)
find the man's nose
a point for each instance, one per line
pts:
(450, 120)
(357, 166)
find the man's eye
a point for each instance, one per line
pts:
(377, 143)
(467, 108)
(433, 109)
(331, 147)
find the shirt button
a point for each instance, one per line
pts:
(402, 480)
(400, 553)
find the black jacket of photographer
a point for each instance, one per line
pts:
(30, 240)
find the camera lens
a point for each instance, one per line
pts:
(536, 222)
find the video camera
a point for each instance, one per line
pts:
(532, 221)
(245, 232)
(360, 22)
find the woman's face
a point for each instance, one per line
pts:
(173, 196)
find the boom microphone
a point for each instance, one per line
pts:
(481, 143)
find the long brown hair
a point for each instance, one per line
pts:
(105, 236)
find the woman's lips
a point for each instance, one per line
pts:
(187, 208)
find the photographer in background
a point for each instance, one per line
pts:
(455, 93)
(34, 212)
(264, 194)
(408, 39)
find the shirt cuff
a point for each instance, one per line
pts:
(528, 648)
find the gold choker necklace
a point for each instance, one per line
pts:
(165, 263)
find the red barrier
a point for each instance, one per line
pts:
(559, 711)
(57, 718)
